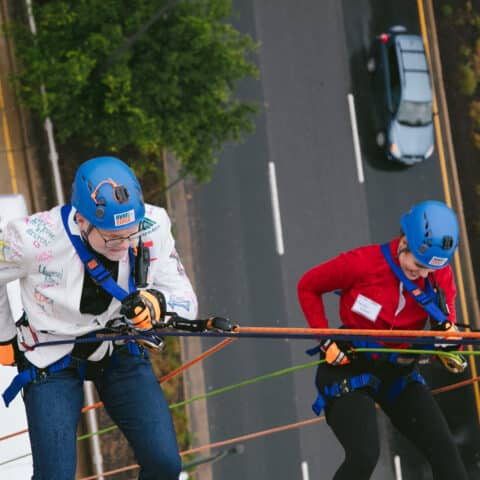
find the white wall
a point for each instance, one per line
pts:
(13, 418)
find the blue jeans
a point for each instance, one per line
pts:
(132, 397)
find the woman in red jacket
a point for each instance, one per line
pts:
(373, 296)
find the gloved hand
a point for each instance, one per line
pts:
(7, 356)
(453, 362)
(144, 309)
(446, 327)
(9, 352)
(334, 355)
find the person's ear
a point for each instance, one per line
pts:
(81, 221)
(403, 243)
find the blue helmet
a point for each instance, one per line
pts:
(431, 230)
(107, 193)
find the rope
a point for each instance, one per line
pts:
(217, 392)
(255, 380)
(201, 357)
(278, 373)
(409, 336)
(219, 444)
(251, 381)
(270, 431)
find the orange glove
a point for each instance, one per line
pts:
(9, 352)
(7, 356)
(144, 308)
(334, 355)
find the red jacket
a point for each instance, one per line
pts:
(365, 272)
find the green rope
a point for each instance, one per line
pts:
(278, 373)
(218, 392)
(15, 459)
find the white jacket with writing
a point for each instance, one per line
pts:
(37, 251)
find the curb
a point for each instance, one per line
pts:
(190, 347)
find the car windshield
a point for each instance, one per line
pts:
(414, 113)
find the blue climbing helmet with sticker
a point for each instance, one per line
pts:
(431, 230)
(107, 193)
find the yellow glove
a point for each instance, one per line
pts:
(453, 362)
(144, 309)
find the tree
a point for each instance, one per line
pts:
(141, 75)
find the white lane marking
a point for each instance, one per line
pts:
(356, 141)
(305, 475)
(398, 467)
(277, 221)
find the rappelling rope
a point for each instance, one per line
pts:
(398, 336)
(284, 371)
(262, 433)
(256, 380)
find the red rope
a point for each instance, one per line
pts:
(201, 357)
(269, 431)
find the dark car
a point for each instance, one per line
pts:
(403, 94)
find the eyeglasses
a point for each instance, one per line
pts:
(117, 241)
(146, 227)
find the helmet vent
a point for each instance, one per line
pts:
(423, 248)
(447, 242)
(99, 212)
(121, 194)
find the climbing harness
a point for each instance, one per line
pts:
(432, 300)
(32, 373)
(344, 386)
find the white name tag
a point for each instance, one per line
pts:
(366, 308)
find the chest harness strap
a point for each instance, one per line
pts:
(426, 299)
(102, 277)
(97, 271)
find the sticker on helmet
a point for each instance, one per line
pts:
(438, 261)
(124, 218)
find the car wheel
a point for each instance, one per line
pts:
(381, 139)
(371, 64)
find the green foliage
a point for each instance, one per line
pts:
(447, 10)
(171, 87)
(467, 79)
(467, 22)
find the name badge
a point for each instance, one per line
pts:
(366, 308)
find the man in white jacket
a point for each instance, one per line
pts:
(105, 256)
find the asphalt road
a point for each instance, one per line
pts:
(312, 55)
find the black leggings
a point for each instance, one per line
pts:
(414, 413)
